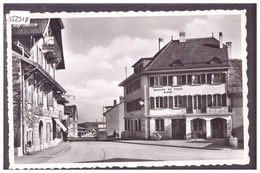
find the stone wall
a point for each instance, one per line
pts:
(17, 100)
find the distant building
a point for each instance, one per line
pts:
(182, 89)
(37, 53)
(72, 120)
(115, 118)
(235, 92)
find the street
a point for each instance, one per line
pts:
(94, 151)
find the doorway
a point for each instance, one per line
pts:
(219, 128)
(178, 128)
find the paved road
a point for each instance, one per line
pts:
(95, 151)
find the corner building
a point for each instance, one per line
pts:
(37, 54)
(182, 89)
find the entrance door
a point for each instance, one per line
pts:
(178, 128)
(219, 128)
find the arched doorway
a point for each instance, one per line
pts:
(219, 128)
(41, 134)
(198, 125)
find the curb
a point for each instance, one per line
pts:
(206, 148)
(50, 156)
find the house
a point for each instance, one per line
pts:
(181, 90)
(115, 117)
(235, 92)
(72, 120)
(36, 55)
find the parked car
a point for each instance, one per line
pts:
(101, 136)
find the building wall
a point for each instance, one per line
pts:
(114, 120)
(237, 118)
(17, 104)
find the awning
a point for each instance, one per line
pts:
(60, 124)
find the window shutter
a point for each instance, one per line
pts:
(203, 104)
(189, 107)
(223, 78)
(151, 81)
(199, 102)
(224, 100)
(195, 102)
(170, 102)
(184, 101)
(165, 102)
(164, 80)
(209, 100)
(169, 80)
(208, 78)
(183, 78)
(189, 79)
(151, 102)
(203, 79)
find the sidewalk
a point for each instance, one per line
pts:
(40, 156)
(196, 144)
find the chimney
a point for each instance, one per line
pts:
(121, 99)
(229, 49)
(220, 40)
(115, 103)
(182, 37)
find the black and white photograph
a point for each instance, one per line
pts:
(127, 89)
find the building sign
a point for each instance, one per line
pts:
(167, 90)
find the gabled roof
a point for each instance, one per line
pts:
(35, 28)
(193, 53)
(113, 107)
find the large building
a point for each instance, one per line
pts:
(182, 89)
(36, 55)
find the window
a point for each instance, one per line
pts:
(215, 60)
(133, 105)
(50, 99)
(197, 102)
(177, 80)
(217, 100)
(176, 63)
(139, 125)
(158, 81)
(40, 97)
(125, 124)
(216, 78)
(197, 125)
(159, 124)
(178, 102)
(159, 102)
(133, 86)
(196, 79)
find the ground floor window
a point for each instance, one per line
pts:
(197, 125)
(159, 124)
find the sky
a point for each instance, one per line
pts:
(97, 50)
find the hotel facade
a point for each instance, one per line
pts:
(182, 89)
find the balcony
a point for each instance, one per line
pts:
(51, 48)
